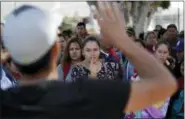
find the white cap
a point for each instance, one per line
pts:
(29, 33)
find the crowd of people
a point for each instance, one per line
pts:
(82, 55)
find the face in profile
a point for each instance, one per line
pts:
(91, 50)
(162, 53)
(75, 51)
(81, 30)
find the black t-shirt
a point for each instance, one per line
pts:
(83, 99)
(177, 69)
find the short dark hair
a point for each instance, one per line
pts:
(42, 63)
(172, 26)
(91, 39)
(81, 24)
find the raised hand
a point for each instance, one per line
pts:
(94, 67)
(111, 22)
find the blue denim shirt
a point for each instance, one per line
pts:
(6, 79)
(128, 70)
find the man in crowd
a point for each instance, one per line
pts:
(40, 95)
(172, 38)
(81, 31)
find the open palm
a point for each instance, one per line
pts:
(111, 22)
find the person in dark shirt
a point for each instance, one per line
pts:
(176, 107)
(180, 58)
(40, 95)
(172, 38)
(81, 31)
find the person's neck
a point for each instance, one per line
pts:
(87, 62)
(82, 35)
(73, 62)
(42, 75)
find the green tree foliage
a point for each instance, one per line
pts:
(162, 4)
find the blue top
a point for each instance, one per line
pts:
(61, 74)
(7, 80)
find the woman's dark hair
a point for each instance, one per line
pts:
(165, 43)
(91, 39)
(140, 41)
(150, 32)
(161, 33)
(66, 57)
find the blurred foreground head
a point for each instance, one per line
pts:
(32, 45)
